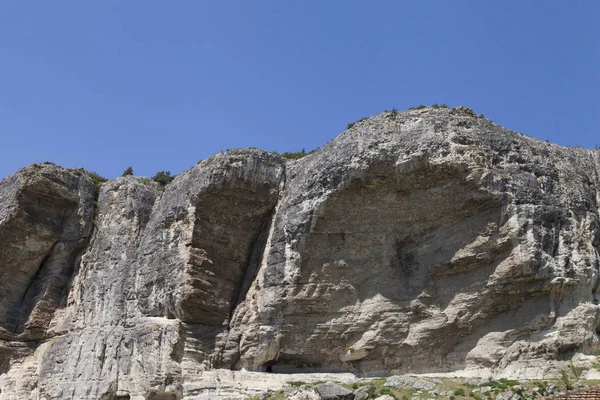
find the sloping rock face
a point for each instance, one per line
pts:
(425, 241)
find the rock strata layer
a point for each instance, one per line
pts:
(424, 241)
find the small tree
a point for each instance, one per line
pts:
(128, 172)
(163, 178)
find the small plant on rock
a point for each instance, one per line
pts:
(372, 392)
(566, 379)
(575, 370)
(387, 391)
(163, 178)
(351, 124)
(596, 363)
(294, 155)
(96, 178)
(128, 172)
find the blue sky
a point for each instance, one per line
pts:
(160, 85)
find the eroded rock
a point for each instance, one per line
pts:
(428, 241)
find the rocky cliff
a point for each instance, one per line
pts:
(426, 241)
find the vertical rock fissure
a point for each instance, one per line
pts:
(258, 250)
(254, 264)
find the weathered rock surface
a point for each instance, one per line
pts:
(333, 391)
(427, 241)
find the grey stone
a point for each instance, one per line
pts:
(508, 395)
(400, 381)
(333, 391)
(362, 392)
(422, 384)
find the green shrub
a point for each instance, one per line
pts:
(566, 379)
(291, 155)
(502, 383)
(96, 178)
(596, 363)
(297, 383)
(128, 172)
(436, 106)
(443, 106)
(372, 392)
(543, 385)
(459, 392)
(576, 371)
(351, 124)
(163, 178)
(386, 390)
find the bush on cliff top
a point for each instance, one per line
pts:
(128, 172)
(96, 178)
(163, 178)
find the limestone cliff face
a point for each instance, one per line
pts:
(431, 240)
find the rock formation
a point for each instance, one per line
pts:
(426, 241)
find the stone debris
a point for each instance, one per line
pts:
(400, 381)
(421, 384)
(362, 392)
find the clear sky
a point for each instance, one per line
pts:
(159, 85)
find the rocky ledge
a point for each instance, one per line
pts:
(427, 241)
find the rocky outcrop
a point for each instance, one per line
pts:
(425, 241)
(45, 223)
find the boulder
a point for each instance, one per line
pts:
(333, 391)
